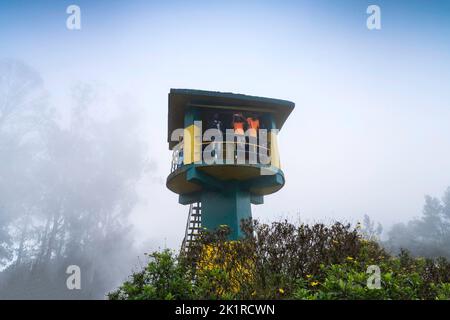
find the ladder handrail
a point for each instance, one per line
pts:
(189, 232)
(183, 245)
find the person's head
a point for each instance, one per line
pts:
(216, 116)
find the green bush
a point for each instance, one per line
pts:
(164, 278)
(287, 261)
(402, 278)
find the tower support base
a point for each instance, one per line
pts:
(227, 207)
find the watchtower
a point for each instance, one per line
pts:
(221, 175)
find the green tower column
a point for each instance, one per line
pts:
(227, 207)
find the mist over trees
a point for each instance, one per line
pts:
(67, 187)
(428, 235)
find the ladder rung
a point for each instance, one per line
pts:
(194, 225)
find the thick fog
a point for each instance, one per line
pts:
(67, 186)
(83, 126)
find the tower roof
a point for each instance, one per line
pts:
(180, 99)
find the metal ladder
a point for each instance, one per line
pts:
(193, 225)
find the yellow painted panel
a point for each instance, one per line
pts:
(188, 142)
(192, 144)
(197, 145)
(274, 154)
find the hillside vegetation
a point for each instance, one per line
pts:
(288, 261)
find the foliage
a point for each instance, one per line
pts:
(163, 278)
(287, 261)
(427, 236)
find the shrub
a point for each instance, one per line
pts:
(163, 278)
(286, 261)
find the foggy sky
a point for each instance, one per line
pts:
(370, 132)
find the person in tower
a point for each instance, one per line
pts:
(239, 131)
(253, 127)
(216, 124)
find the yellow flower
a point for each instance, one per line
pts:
(308, 276)
(281, 290)
(314, 283)
(349, 258)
